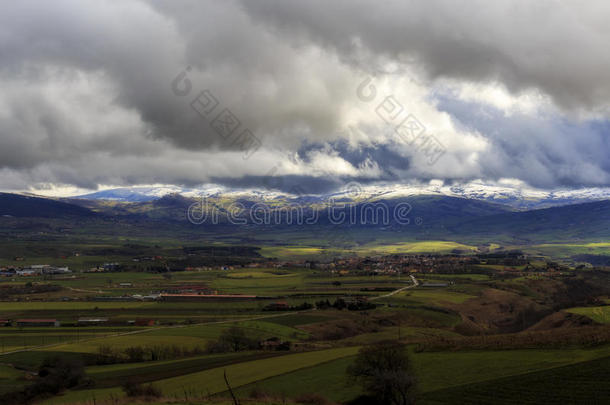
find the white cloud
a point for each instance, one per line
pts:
(86, 97)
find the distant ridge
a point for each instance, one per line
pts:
(581, 221)
(23, 206)
(428, 217)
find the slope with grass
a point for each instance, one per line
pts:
(598, 314)
(10, 378)
(439, 370)
(580, 383)
(329, 379)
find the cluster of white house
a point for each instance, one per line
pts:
(38, 269)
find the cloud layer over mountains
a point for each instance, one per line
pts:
(306, 92)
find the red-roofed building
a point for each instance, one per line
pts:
(145, 322)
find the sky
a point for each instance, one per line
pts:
(313, 94)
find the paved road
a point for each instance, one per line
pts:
(415, 284)
(87, 291)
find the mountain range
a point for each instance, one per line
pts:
(514, 197)
(429, 216)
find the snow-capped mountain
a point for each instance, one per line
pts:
(516, 197)
(142, 194)
(132, 194)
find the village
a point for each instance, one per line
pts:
(514, 263)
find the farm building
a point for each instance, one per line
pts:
(277, 306)
(38, 322)
(56, 270)
(42, 269)
(150, 297)
(27, 272)
(117, 299)
(145, 322)
(274, 343)
(204, 298)
(91, 321)
(5, 322)
(141, 322)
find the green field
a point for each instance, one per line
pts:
(393, 333)
(260, 328)
(365, 249)
(433, 296)
(415, 247)
(10, 378)
(456, 277)
(439, 374)
(439, 370)
(569, 249)
(291, 252)
(598, 314)
(329, 379)
(115, 374)
(122, 342)
(211, 381)
(580, 383)
(17, 339)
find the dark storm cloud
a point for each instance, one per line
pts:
(300, 185)
(140, 49)
(555, 46)
(87, 98)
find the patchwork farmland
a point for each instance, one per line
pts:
(277, 332)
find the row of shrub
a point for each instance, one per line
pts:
(107, 354)
(275, 307)
(233, 339)
(586, 336)
(340, 304)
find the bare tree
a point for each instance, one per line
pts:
(384, 371)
